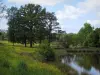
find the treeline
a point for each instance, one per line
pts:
(31, 23)
(87, 36)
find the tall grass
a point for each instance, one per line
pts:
(17, 60)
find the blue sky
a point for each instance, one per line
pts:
(71, 14)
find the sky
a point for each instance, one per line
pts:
(71, 14)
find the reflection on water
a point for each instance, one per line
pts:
(87, 63)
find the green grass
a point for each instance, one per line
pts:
(18, 60)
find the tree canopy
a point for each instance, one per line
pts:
(31, 23)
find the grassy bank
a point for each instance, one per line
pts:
(27, 61)
(18, 60)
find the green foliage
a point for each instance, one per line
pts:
(3, 35)
(84, 32)
(46, 52)
(19, 64)
(0, 33)
(86, 37)
(63, 41)
(81, 39)
(67, 39)
(22, 65)
(93, 39)
(33, 26)
(12, 24)
(4, 63)
(51, 25)
(21, 69)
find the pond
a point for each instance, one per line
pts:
(83, 63)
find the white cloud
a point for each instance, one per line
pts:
(69, 12)
(43, 2)
(95, 23)
(98, 14)
(81, 8)
(72, 12)
(89, 5)
(3, 23)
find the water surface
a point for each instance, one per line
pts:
(87, 63)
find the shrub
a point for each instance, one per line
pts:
(22, 65)
(46, 52)
(21, 69)
(4, 63)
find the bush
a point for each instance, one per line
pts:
(21, 69)
(46, 52)
(65, 44)
(4, 63)
(22, 65)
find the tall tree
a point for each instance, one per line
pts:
(12, 24)
(93, 39)
(84, 32)
(30, 14)
(31, 22)
(51, 25)
(41, 26)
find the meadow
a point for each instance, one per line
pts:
(18, 60)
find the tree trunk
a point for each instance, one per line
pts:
(49, 38)
(13, 39)
(31, 37)
(31, 42)
(40, 40)
(24, 40)
(49, 35)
